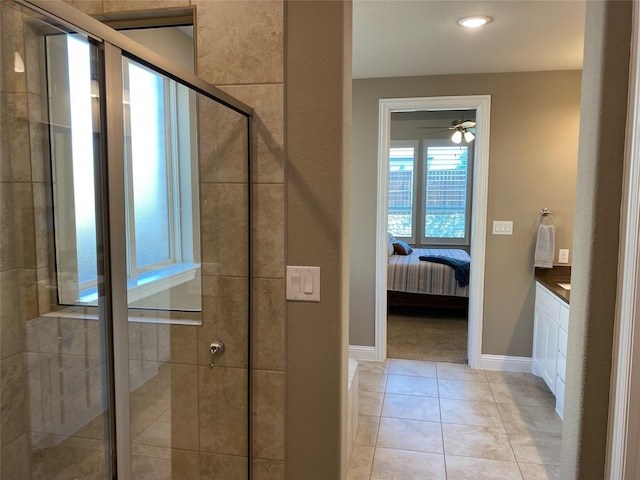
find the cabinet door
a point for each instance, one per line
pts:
(560, 398)
(545, 346)
(551, 351)
(539, 334)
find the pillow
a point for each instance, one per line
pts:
(390, 241)
(401, 248)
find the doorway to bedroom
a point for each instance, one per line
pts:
(430, 178)
(433, 163)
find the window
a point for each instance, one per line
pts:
(161, 188)
(446, 190)
(429, 196)
(402, 161)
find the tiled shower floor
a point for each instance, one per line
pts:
(445, 421)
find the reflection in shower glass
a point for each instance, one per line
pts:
(162, 218)
(162, 191)
(82, 158)
(149, 167)
(72, 107)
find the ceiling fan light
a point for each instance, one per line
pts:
(456, 137)
(474, 22)
(468, 136)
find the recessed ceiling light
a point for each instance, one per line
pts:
(474, 22)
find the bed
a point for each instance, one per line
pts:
(414, 282)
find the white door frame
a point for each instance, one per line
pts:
(482, 105)
(623, 444)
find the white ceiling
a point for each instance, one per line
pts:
(399, 38)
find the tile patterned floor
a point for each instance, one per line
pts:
(445, 421)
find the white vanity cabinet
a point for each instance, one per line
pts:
(550, 327)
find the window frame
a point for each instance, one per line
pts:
(415, 144)
(417, 237)
(446, 241)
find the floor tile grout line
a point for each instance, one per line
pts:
(441, 422)
(375, 443)
(413, 450)
(491, 390)
(444, 446)
(513, 451)
(373, 458)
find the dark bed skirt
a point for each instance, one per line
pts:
(404, 299)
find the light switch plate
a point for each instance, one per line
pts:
(503, 227)
(563, 255)
(303, 284)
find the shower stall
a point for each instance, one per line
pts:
(124, 258)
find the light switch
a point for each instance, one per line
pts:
(303, 284)
(295, 283)
(308, 284)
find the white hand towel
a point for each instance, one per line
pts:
(545, 246)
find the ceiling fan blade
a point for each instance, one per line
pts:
(437, 131)
(463, 123)
(448, 128)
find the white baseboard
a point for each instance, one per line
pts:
(505, 363)
(360, 352)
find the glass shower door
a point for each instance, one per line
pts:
(186, 171)
(124, 256)
(56, 403)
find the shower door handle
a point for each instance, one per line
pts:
(216, 349)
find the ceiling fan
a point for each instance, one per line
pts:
(462, 128)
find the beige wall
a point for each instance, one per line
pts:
(532, 164)
(595, 270)
(318, 118)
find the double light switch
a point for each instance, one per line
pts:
(303, 284)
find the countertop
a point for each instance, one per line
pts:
(550, 277)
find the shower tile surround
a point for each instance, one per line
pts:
(169, 362)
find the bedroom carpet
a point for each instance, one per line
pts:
(427, 334)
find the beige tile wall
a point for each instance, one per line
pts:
(248, 64)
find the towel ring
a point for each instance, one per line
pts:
(545, 212)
